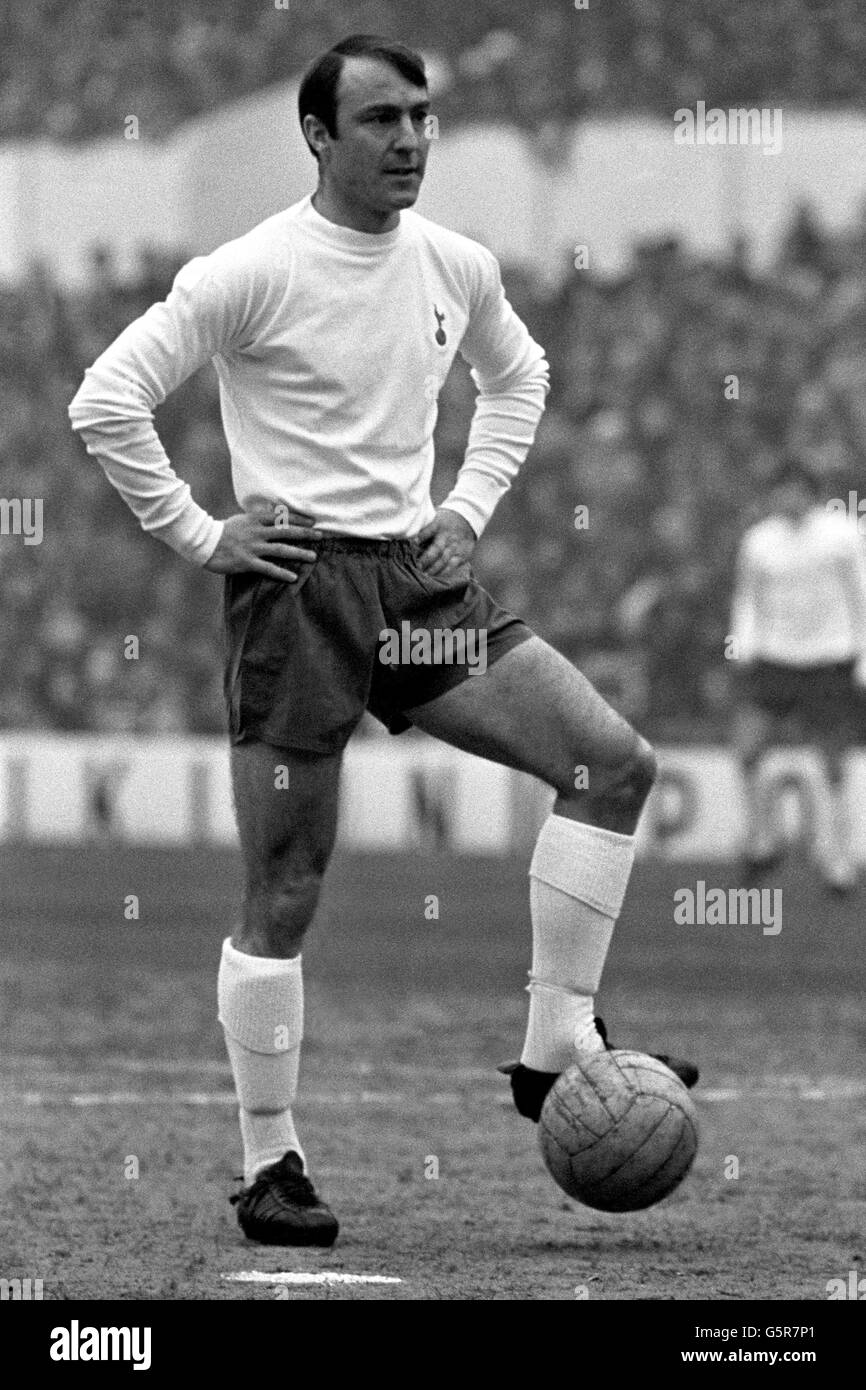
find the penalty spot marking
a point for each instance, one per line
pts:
(257, 1276)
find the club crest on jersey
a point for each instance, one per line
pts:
(441, 335)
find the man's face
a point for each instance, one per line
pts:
(377, 161)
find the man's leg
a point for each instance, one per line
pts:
(833, 831)
(532, 710)
(754, 732)
(286, 804)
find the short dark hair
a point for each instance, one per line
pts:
(318, 91)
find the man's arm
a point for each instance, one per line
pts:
(210, 308)
(113, 408)
(512, 376)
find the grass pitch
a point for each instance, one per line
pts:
(119, 1134)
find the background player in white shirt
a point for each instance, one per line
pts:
(799, 621)
(332, 327)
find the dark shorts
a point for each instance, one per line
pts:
(815, 695)
(305, 660)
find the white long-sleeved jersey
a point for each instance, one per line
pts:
(331, 346)
(800, 592)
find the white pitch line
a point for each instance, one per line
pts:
(834, 1090)
(140, 1098)
(145, 1066)
(256, 1276)
(770, 1085)
(92, 1098)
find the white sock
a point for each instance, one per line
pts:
(579, 874)
(261, 1009)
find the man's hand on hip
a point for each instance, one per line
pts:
(448, 543)
(255, 540)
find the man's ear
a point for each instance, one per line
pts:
(316, 135)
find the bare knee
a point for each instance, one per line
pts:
(614, 796)
(287, 834)
(278, 910)
(633, 781)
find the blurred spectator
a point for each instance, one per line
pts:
(72, 69)
(638, 432)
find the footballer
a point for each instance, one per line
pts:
(332, 327)
(799, 623)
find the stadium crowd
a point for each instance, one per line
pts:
(72, 69)
(640, 429)
(674, 390)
